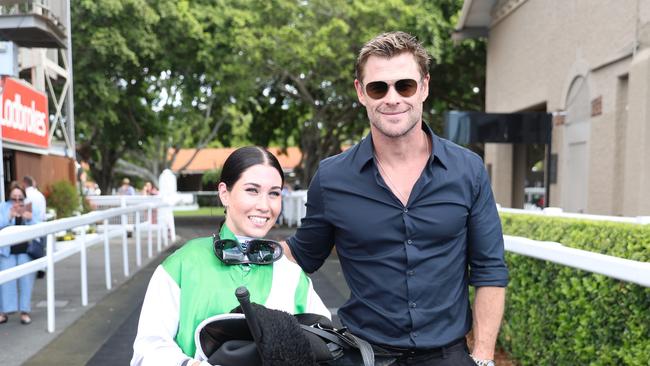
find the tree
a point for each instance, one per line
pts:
(113, 46)
(167, 75)
(305, 53)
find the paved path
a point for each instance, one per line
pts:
(103, 334)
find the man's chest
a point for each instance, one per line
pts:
(372, 220)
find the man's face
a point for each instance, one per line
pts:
(393, 115)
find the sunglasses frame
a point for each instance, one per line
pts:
(402, 92)
(246, 251)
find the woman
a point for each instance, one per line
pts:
(16, 295)
(198, 281)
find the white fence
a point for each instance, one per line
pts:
(147, 215)
(623, 269)
(614, 267)
(293, 208)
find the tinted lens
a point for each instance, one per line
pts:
(377, 89)
(264, 251)
(406, 87)
(228, 251)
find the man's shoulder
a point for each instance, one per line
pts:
(342, 161)
(457, 154)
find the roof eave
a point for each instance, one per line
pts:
(475, 19)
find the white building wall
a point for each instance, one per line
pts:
(535, 53)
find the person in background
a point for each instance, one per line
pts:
(413, 220)
(126, 189)
(37, 200)
(199, 280)
(16, 295)
(149, 189)
(34, 196)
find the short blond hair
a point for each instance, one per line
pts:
(392, 44)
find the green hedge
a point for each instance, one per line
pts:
(556, 315)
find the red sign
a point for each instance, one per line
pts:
(23, 114)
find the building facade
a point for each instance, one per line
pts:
(35, 66)
(588, 63)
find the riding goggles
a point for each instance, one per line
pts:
(256, 251)
(379, 89)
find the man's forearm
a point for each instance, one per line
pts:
(488, 311)
(287, 251)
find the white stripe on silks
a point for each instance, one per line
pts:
(282, 296)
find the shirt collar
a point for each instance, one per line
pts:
(365, 151)
(225, 233)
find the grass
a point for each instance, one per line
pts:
(203, 211)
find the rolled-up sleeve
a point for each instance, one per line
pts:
(485, 238)
(314, 239)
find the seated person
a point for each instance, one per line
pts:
(197, 282)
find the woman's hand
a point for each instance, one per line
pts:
(14, 211)
(27, 215)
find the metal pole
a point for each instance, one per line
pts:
(159, 230)
(69, 99)
(84, 270)
(149, 235)
(50, 282)
(138, 249)
(107, 256)
(125, 248)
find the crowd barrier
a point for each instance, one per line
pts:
(143, 214)
(610, 266)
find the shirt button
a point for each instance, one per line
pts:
(406, 210)
(410, 272)
(413, 305)
(414, 334)
(409, 241)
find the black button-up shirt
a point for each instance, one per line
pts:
(408, 267)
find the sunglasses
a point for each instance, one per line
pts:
(256, 251)
(379, 89)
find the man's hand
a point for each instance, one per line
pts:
(287, 251)
(488, 311)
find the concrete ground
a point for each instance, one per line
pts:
(103, 332)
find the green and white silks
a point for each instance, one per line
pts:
(193, 284)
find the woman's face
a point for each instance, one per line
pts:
(16, 195)
(254, 202)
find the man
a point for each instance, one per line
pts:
(38, 205)
(413, 219)
(126, 189)
(34, 196)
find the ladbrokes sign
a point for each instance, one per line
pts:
(23, 117)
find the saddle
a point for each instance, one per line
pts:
(252, 335)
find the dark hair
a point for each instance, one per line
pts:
(389, 45)
(244, 158)
(29, 181)
(14, 185)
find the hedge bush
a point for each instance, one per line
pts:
(63, 197)
(556, 315)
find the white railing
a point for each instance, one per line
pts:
(165, 214)
(293, 208)
(614, 267)
(18, 234)
(558, 212)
